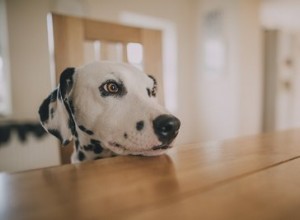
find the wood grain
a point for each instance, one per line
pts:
(99, 30)
(153, 64)
(246, 178)
(269, 194)
(68, 42)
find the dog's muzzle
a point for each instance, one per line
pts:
(166, 128)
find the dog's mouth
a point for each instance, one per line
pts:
(159, 148)
(162, 147)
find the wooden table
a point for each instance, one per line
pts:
(253, 178)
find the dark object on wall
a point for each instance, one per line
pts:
(23, 129)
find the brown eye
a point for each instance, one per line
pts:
(111, 87)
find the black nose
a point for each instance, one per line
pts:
(166, 127)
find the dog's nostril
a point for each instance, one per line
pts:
(166, 127)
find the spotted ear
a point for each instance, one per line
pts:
(56, 111)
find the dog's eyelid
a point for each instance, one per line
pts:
(111, 87)
(105, 88)
(153, 92)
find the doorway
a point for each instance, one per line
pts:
(281, 80)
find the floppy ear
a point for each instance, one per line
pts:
(56, 111)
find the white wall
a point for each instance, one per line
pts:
(29, 59)
(230, 105)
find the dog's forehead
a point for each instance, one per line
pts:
(99, 72)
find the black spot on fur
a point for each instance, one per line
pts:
(88, 147)
(81, 156)
(115, 144)
(125, 135)
(93, 141)
(154, 89)
(71, 123)
(71, 107)
(149, 92)
(89, 132)
(44, 109)
(72, 127)
(56, 134)
(66, 81)
(97, 148)
(139, 125)
(77, 144)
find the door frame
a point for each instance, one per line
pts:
(270, 80)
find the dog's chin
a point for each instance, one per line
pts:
(152, 151)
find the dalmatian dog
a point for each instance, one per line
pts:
(108, 109)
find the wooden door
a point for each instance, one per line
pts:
(75, 36)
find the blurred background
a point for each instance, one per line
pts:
(230, 68)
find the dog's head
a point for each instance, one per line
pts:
(109, 103)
